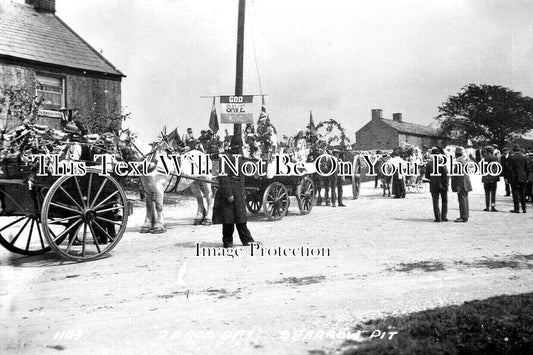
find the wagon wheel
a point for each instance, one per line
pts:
(93, 210)
(23, 234)
(253, 202)
(305, 195)
(276, 201)
(356, 186)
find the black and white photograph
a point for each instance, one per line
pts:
(266, 177)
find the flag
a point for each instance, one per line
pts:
(68, 114)
(174, 136)
(213, 121)
(263, 115)
(311, 126)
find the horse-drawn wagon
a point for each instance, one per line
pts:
(272, 195)
(78, 213)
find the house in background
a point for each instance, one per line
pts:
(39, 51)
(385, 134)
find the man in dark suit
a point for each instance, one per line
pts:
(229, 208)
(519, 169)
(506, 174)
(490, 182)
(438, 185)
(461, 184)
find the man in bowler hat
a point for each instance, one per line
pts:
(461, 184)
(490, 182)
(438, 185)
(229, 208)
(519, 170)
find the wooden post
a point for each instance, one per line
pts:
(237, 128)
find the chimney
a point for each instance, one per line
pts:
(376, 114)
(397, 117)
(43, 5)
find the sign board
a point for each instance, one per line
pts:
(236, 109)
(50, 113)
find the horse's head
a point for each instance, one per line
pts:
(131, 148)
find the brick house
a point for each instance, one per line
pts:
(39, 51)
(382, 133)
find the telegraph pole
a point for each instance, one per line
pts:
(237, 128)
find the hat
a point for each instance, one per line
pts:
(71, 127)
(490, 149)
(505, 149)
(378, 151)
(435, 150)
(516, 147)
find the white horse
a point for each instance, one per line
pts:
(157, 182)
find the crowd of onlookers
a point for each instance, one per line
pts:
(516, 173)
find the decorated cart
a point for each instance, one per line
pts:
(271, 193)
(67, 206)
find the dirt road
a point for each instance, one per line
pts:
(155, 295)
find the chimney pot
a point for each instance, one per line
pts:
(43, 5)
(376, 114)
(397, 117)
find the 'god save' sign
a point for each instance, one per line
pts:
(236, 109)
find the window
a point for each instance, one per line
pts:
(51, 88)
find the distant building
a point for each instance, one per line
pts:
(38, 50)
(382, 133)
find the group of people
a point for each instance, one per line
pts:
(517, 171)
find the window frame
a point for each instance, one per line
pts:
(39, 91)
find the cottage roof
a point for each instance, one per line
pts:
(412, 128)
(43, 37)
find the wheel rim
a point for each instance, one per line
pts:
(24, 235)
(276, 201)
(84, 217)
(306, 195)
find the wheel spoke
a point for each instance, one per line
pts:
(70, 197)
(40, 234)
(119, 223)
(79, 191)
(30, 234)
(56, 221)
(64, 207)
(106, 199)
(98, 194)
(95, 238)
(10, 224)
(109, 209)
(66, 230)
(73, 239)
(20, 231)
(84, 238)
(103, 230)
(89, 188)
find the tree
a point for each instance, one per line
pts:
(18, 105)
(486, 114)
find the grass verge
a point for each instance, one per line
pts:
(498, 325)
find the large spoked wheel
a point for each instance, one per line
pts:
(84, 217)
(253, 202)
(21, 232)
(305, 195)
(23, 235)
(356, 186)
(276, 201)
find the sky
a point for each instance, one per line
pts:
(338, 58)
